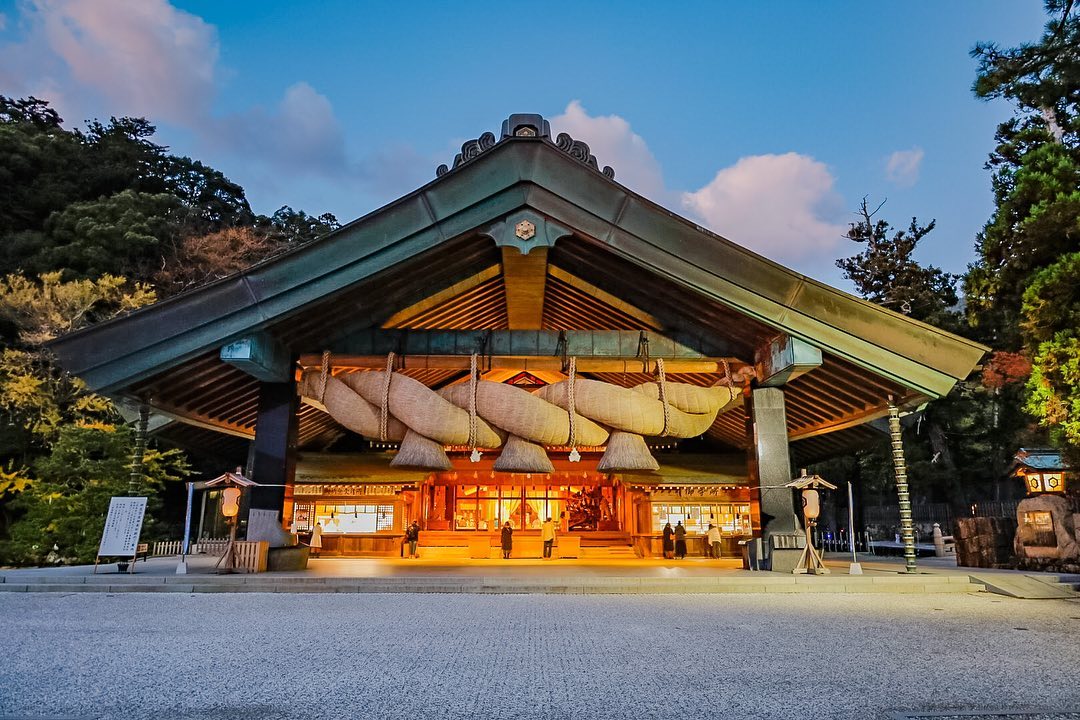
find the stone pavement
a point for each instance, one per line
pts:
(692, 575)
(464, 657)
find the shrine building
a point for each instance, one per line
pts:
(521, 338)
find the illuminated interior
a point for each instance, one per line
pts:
(732, 518)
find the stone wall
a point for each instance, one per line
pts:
(985, 542)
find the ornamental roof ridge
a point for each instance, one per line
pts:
(526, 125)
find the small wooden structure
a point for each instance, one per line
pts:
(810, 560)
(230, 561)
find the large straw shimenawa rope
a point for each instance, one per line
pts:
(483, 414)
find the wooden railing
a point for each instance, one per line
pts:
(208, 546)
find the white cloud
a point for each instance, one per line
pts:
(3, 22)
(782, 206)
(146, 58)
(301, 133)
(613, 143)
(902, 167)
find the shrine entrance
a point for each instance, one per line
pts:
(575, 501)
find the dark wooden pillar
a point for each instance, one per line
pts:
(274, 447)
(770, 460)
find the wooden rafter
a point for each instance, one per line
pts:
(524, 277)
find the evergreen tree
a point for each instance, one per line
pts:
(887, 273)
(1051, 326)
(1036, 167)
(953, 448)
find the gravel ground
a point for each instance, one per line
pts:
(425, 657)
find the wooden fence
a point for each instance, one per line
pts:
(940, 513)
(252, 555)
(207, 546)
(249, 555)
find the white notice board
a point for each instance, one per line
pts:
(122, 527)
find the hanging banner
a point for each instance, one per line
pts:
(122, 527)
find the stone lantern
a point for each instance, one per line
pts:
(1046, 520)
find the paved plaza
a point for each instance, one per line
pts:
(431, 656)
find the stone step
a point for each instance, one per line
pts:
(757, 583)
(1030, 587)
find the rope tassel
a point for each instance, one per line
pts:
(575, 456)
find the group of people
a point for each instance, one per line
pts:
(506, 538)
(675, 541)
(547, 534)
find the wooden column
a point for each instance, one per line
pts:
(274, 447)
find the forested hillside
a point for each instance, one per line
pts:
(95, 222)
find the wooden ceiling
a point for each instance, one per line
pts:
(468, 290)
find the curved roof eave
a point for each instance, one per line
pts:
(517, 173)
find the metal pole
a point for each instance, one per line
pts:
(202, 516)
(907, 530)
(181, 569)
(851, 522)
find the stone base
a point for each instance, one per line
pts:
(287, 558)
(784, 561)
(1057, 549)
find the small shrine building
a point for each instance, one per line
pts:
(521, 338)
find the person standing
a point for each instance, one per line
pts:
(669, 544)
(412, 535)
(713, 539)
(547, 534)
(316, 540)
(680, 540)
(506, 537)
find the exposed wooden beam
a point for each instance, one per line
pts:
(205, 423)
(849, 421)
(346, 363)
(525, 279)
(579, 343)
(403, 316)
(604, 297)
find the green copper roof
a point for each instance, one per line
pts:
(566, 188)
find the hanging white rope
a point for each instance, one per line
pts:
(384, 407)
(325, 374)
(474, 456)
(575, 456)
(662, 381)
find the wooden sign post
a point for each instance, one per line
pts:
(120, 538)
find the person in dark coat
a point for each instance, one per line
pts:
(669, 544)
(507, 538)
(412, 536)
(680, 540)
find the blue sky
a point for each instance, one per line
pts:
(766, 123)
